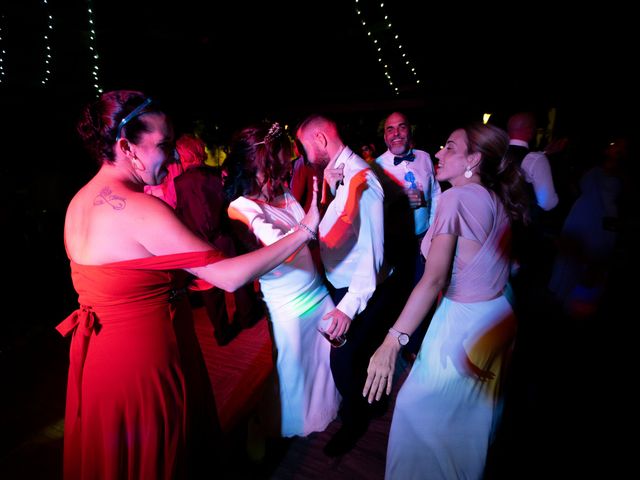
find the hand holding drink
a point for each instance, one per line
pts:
(413, 190)
(335, 324)
(336, 342)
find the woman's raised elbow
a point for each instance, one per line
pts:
(229, 284)
(439, 283)
(435, 283)
(224, 275)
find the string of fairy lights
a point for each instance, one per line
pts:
(95, 69)
(382, 34)
(3, 52)
(46, 74)
(387, 42)
(47, 47)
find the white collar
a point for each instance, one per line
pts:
(519, 143)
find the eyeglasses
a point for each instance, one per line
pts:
(136, 112)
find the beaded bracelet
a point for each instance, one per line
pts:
(308, 230)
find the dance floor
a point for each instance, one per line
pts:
(31, 439)
(238, 370)
(550, 420)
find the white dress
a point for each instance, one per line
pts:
(444, 418)
(297, 300)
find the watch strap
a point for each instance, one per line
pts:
(398, 334)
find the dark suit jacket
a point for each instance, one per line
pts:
(202, 207)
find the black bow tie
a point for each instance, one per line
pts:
(409, 157)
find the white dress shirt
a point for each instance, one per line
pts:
(423, 171)
(354, 259)
(537, 172)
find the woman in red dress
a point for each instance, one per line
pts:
(138, 400)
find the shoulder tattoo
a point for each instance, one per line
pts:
(106, 196)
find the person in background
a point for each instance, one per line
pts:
(139, 399)
(368, 152)
(447, 407)
(533, 246)
(590, 234)
(166, 191)
(294, 292)
(521, 128)
(201, 205)
(411, 194)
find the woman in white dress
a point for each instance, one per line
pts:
(446, 410)
(257, 169)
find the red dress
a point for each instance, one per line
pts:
(138, 391)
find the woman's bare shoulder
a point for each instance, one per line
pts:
(110, 223)
(100, 198)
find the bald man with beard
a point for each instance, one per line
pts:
(351, 236)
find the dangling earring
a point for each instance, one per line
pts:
(468, 173)
(137, 164)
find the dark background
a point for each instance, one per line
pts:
(228, 63)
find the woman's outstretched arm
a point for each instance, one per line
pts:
(383, 362)
(231, 273)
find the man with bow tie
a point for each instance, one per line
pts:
(408, 178)
(410, 168)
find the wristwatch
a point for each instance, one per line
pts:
(402, 337)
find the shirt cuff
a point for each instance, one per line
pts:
(350, 305)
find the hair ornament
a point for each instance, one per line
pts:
(135, 113)
(274, 132)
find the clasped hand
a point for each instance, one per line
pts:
(312, 218)
(333, 176)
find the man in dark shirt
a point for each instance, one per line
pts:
(202, 207)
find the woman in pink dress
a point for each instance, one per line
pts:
(446, 409)
(138, 400)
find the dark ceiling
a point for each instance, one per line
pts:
(240, 58)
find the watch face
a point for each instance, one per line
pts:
(403, 338)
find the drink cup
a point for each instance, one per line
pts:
(337, 342)
(413, 194)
